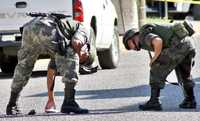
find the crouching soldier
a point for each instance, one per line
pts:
(60, 38)
(172, 50)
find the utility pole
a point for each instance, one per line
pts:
(142, 12)
(166, 9)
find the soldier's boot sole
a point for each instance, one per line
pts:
(145, 107)
(12, 110)
(188, 105)
(76, 110)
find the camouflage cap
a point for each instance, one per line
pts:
(128, 34)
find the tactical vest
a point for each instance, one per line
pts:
(168, 33)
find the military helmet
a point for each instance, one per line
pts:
(188, 25)
(128, 34)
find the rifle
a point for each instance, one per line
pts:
(62, 44)
(57, 15)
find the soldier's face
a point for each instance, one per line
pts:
(132, 43)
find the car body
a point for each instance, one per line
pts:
(100, 15)
(178, 10)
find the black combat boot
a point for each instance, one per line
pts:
(69, 104)
(12, 107)
(153, 103)
(189, 101)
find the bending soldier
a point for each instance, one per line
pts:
(42, 36)
(89, 66)
(172, 50)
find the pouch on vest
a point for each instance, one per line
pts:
(180, 31)
(60, 44)
(64, 36)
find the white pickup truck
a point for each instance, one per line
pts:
(98, 14)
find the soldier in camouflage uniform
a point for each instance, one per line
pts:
(171, 51)
(40, 36)
(87, 67)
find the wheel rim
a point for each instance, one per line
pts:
(115, 48)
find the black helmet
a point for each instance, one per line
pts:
(128, 34)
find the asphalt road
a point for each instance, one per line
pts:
(110, 95)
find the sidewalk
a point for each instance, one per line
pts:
(196, 25)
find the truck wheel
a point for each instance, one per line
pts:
(8, 65)
(109, 59)
(195, 12)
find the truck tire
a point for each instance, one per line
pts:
(109, 59)
(8, 65)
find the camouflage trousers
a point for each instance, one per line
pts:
(35, 43)
(178, 57)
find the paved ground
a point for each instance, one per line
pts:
(111, 95)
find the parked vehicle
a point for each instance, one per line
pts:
(98, 14)
(175, 9)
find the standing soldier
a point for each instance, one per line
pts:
(172, 50)
(45, 35)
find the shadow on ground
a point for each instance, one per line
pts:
(171, 96)
(34, 74)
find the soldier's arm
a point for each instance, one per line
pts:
(77, 46)
(157, 44)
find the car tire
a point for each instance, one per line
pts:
(109, 59)
(8, 65)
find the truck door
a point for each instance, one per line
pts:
(107, 23)
(13, 12)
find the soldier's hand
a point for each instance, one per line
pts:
(150, 63)
(81, 50)
(77, 45)
(83, 56)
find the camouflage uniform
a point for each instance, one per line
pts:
(39, 37)
(178, 55)
(87, 67)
